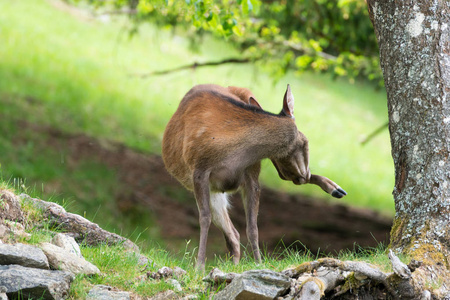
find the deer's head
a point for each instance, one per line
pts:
(295, 165)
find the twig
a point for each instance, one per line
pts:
(401, 269)
(374, 133)
(360, 269)
(315, 287)
(299, 48)
(197, 65)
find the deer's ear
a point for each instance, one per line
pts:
(288, 103)
(252, 101)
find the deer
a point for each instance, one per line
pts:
(214, 144)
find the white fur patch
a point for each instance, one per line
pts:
(219, 209)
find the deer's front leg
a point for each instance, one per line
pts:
(201, 192)
(328, 186)
(250, 198)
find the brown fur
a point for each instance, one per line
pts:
(215, 142)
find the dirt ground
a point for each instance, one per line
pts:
(294, 219)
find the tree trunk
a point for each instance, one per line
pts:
(414, 41)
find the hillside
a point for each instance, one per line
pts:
(47, 252)
(72, 109)
(146, 192)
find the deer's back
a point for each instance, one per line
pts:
(210, 124)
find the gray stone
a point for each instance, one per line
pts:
(10, 207)
(25, 283)
(175, 284)
(164, 272)
(189, 297)
(61, 259)
(4, 231)
(81, 228)
(256, 285)
(216, 277)
(68, 243)
(10, 231)
(104, 292)
(24, 255)
(143, 260)
(166, 295)
(3, 293)
(178, 272)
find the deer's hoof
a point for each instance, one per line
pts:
(338, 193)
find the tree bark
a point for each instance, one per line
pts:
(414, 41)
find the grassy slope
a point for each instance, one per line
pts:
(120, 267)
(66, 70)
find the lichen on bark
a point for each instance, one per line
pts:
(413, 37)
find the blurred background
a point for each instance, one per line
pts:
(87, 87)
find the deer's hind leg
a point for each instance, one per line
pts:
(220, 217)
(250, 198)
(202, 196)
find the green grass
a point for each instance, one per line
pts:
(120, 267)
(64, 69)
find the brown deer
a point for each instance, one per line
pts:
(214, 145)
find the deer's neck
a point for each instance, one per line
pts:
(271, 138)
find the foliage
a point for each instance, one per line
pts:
(325, 36)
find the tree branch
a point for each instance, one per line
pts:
(325, 276)
(197, 65)
(374, 133)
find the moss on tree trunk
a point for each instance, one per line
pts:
(414, 36)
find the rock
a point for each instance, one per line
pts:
(166, 295)
(176, 285)
(189, 297)
(164, 272)
(3, 293)
(61, 259)
(178, 272)
(10, 231)
(68, 243)
(256, 285)
(25, 283)
(217, 277)
(24, 255)
(104, 292)
(4, 231)
(143, 260)
(10, 208)
(82, 229)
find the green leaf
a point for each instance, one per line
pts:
(247, 7)
(210, 16)
(250, 5)
(237, 31)
(302, 62)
